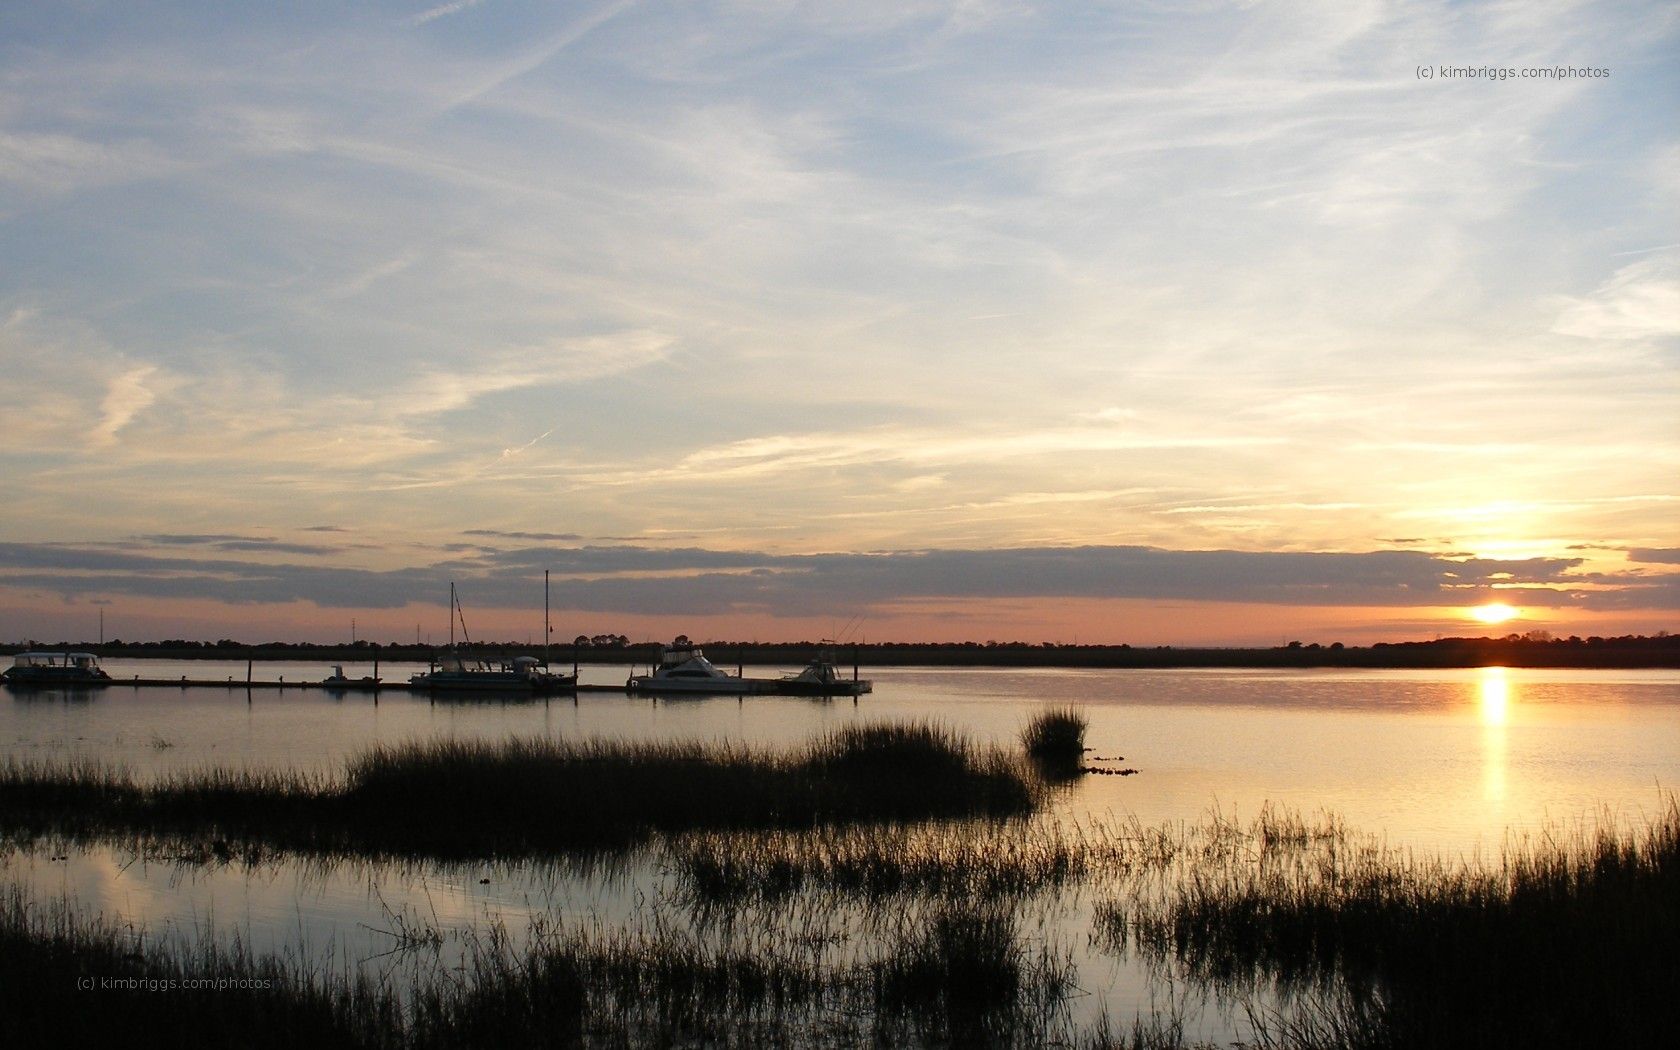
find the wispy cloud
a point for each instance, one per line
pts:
(1640, 301)
(432, 14)
(542, 53)
(126, 396)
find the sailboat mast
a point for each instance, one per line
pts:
(451, 614)
(547, 630)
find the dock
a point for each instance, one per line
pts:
(281, 685)
(333, 687)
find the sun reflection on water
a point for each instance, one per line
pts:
(1494, 691)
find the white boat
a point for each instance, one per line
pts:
(39, 668)
(683, 668)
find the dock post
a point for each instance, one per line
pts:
(247, 672)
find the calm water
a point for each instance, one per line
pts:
(1445, 762)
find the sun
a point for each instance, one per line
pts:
(1494, 612)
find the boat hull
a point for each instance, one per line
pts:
(492, 682)
(847, 687)
(42, 678)
(647, 683)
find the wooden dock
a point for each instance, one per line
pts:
(333, 687)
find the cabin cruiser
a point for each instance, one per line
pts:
(683, 668)
(821, 678)
(38, 668)
(526, 674)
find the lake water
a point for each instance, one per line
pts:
(1440, 762)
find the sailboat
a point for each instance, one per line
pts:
(452, 673)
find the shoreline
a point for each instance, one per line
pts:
(1633, 652)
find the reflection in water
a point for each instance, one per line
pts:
(1495, 690)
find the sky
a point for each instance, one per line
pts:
(1188, 324)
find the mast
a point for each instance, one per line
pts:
(451, 614)
(547, 630)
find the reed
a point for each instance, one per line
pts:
(1568, 940)
(454, 799)
(966, 977)
(1056, 735)
(955, 860)
(980, 858)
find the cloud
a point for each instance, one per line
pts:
(500, 371)
(1658, 555)
(1640, 301)
(542, 53)
(564, 537)
(238, 543)
(125, 397)
(432, 14)
(699, 581)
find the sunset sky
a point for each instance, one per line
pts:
(1187, 324)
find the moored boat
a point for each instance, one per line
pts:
(339, 680)
(55, 669)
(821, 678)
(683, 668)
(525, 674)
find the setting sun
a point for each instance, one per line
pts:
(1494, 612)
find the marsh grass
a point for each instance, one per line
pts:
(455, 799)
(944, 976)
(980, 858)
(974, 859)
(1568, 940)
(1056, 735)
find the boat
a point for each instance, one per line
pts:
(453, 674)
(42, 668)
(822, 678)
(525, 674)
(683, 668)
(339, 680)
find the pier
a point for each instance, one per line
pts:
(331, 687)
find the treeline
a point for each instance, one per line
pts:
(1535, 649)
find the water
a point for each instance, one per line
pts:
(1444, 762)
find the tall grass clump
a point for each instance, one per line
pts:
(1054, 740)
(1056, 735)
(456, 799)
(965, 979)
